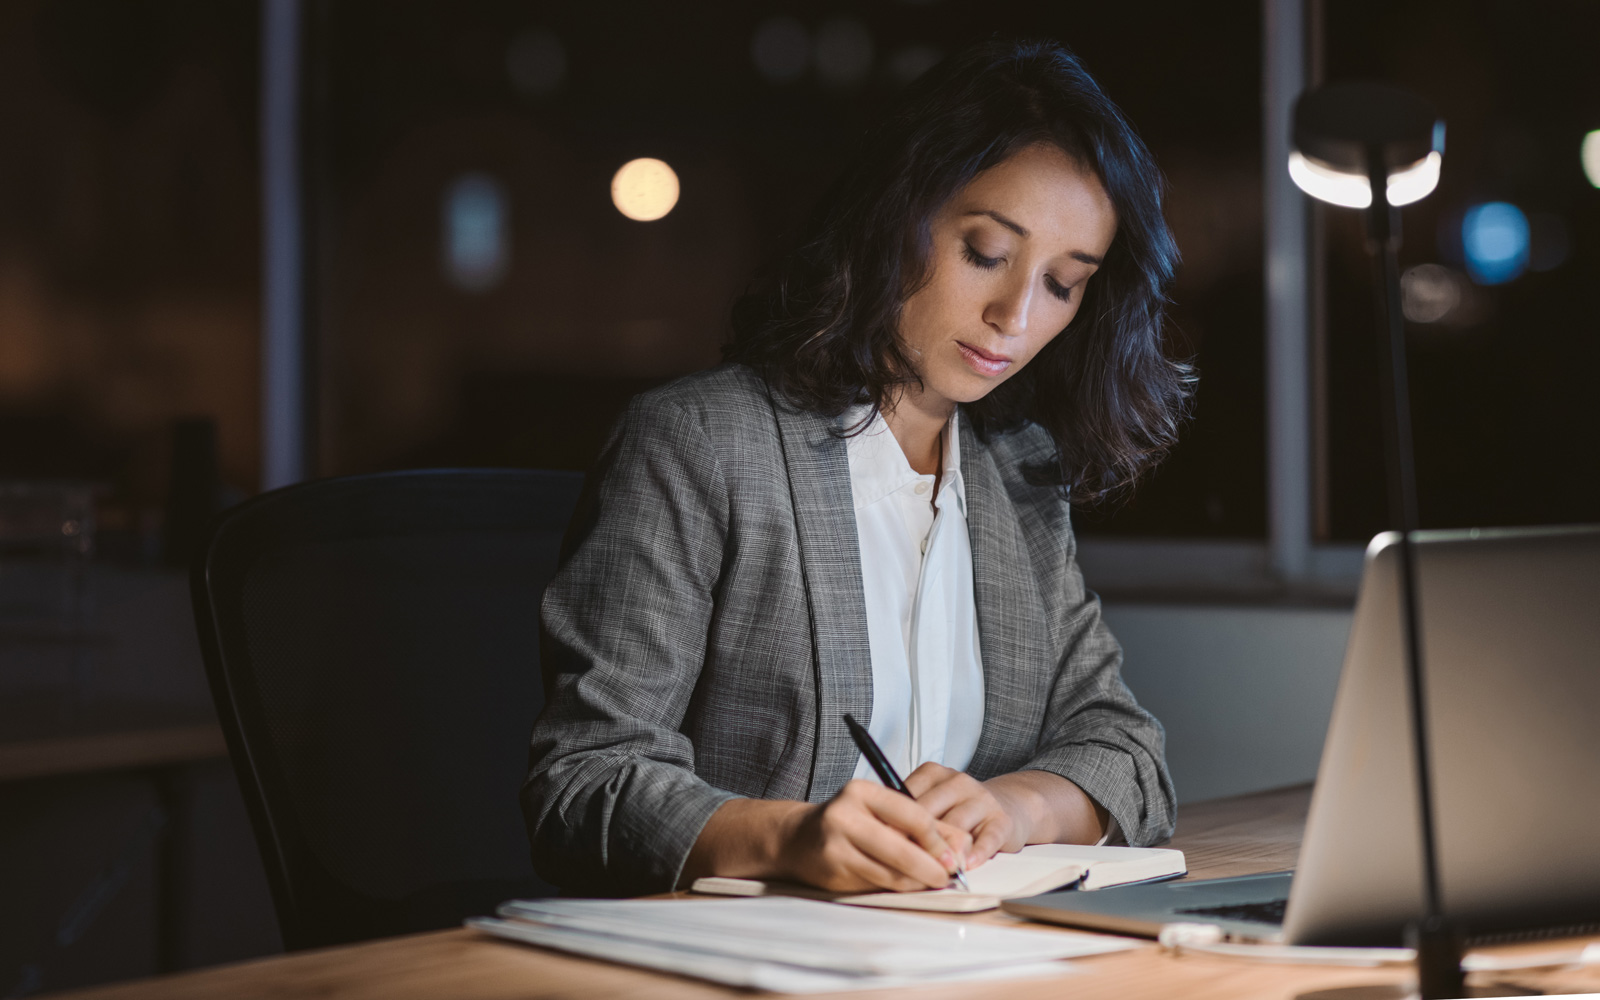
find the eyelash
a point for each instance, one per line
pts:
(978, 260)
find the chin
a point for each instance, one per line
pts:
(965, 387)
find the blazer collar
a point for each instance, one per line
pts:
(830, 564)
(1011, 613)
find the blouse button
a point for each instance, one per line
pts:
(921, 488)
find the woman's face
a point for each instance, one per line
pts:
(1010, 257)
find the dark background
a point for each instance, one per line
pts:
(129, 288)
(1506, 427)
(129, 232)
(130, 301)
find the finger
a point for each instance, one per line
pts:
(959, 840)
(908, 816)
(949, 793)
(896, 831)
(987, 841)
(926, 776)
(889, 848)
(971, 814)
(877, 876)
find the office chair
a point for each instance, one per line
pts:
(372, 644)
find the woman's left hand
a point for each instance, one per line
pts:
(987, 812)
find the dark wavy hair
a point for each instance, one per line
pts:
(822, 325)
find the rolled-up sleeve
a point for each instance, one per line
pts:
(612, 801)
(1095, 734)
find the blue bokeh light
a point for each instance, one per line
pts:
(1494, 241)
(477, 239)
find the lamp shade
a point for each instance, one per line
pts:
(1343, 129)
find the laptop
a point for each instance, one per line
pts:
(1510, 622)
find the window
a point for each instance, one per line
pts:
(1499, 260)
(755, 110)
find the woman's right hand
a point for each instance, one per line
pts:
(868, 837)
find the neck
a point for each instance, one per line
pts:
(917, 424)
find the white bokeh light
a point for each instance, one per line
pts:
(645, 189)
(912, 61)
(1590, 151)
(780, 48)
(536, 61)
(1430, 292)
(843, 52)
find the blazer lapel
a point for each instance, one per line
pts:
(830, 562)
(1011, 614)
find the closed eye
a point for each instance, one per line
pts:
(977, 259)
(1057, 289)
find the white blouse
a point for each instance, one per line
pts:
(922, 619)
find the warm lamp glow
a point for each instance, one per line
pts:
(1415, 182)
(1327, 184)
(1337, 187)
(644, 189)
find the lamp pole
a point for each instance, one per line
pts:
(1437, 946)
(1348, 137)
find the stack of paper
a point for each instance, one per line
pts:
(790, 945)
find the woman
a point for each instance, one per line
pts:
(867, 511)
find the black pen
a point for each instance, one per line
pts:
(874, 754)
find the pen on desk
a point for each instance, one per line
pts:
(885, 771)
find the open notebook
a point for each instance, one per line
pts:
(1029, 872)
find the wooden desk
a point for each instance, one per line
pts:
(1227, 837)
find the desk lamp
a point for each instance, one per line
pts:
(1376, 147)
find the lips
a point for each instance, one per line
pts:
(982, 361)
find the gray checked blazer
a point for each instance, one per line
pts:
(707, 632)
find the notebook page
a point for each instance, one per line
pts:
(1022, 874)
(1005, 876)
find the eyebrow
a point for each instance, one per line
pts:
(1022, 231)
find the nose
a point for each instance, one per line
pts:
(1006, 312)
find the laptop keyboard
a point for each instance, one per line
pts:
(1269, 912)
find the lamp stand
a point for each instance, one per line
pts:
(1437, 945)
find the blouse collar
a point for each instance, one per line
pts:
(878, 466)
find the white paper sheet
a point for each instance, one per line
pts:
(804, 935)
(745, 973)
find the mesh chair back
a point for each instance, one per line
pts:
(372, 644)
